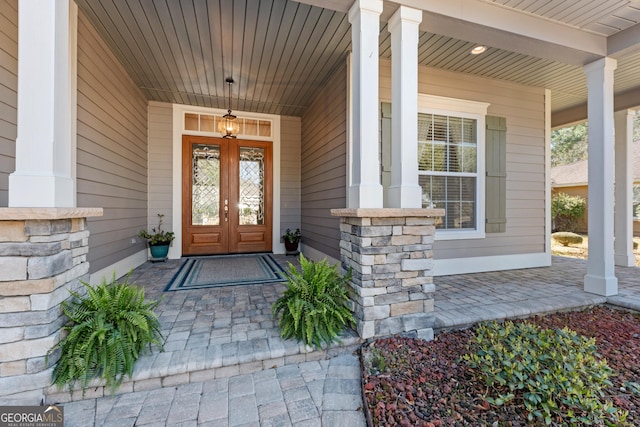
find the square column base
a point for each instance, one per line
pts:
(390, 254)
(604, 286)
(624, 260)
(41, 191)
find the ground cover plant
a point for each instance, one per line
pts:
(410, 382)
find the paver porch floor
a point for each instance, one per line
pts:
(224, 331)
(465, 299)
(230, 330)
(215, 332)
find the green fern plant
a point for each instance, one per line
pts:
(107, 329)
(315, 304)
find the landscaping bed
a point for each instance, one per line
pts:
(411, 382)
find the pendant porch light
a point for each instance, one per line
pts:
(228, 126)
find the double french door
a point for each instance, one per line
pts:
(226, 195)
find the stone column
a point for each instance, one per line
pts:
(600, 278)
(365, 190)
(404, 191)
(390, 253)
(623, 223)
(43, 255)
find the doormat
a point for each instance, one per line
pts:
(226, 270)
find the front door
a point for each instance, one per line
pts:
(226, 195)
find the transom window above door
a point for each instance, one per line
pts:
(208, 124)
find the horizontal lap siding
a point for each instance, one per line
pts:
(8, 93)
(112, 150)
(160, 121)
(290, 172)
(523, 108)
(324, 136)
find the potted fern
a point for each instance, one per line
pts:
(314, 306)
(291, 240)
(107, 330)
(158, 240)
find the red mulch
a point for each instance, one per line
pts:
(425, 383)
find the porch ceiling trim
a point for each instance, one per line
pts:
(624, 42)
(531, 29)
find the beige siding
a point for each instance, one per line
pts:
(324, 135)
(160, 121)
(112, 150)
(290, 134)
(8, 93)
(523, 108)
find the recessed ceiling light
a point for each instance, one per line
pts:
(478, 50)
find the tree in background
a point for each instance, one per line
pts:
(566, 210)
(569, 145)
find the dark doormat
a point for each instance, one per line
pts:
(226, 270)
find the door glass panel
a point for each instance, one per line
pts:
(205, 188)
(251, 197)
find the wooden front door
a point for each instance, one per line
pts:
(226, 196)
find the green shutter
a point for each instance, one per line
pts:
(496, 179)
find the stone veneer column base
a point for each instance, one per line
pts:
(390, 253)
(43, 255)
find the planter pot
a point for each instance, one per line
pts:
(159, 252)
(291, 247)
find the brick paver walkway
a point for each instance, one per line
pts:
(325, 392)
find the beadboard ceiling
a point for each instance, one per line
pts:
(280, 52)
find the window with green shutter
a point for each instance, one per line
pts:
(451, 162)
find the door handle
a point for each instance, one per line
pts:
(226, 210)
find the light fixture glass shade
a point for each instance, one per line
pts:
(228, 125)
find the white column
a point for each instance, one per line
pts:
(600, 278)
(624, 189)
(365, 190)
(404, 191)
(45, 145)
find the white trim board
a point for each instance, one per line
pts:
(175, 251)
(316, 255)
(447, 267)
(121, 267)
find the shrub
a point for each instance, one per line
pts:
(107, 331)
(556, 374)
(566, 210)
(566, 238)
(315, 304)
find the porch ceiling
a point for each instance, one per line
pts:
(280, 52)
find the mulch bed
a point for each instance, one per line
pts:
(411, 382)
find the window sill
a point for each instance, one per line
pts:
(459, 235)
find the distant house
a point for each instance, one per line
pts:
(572, 179)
